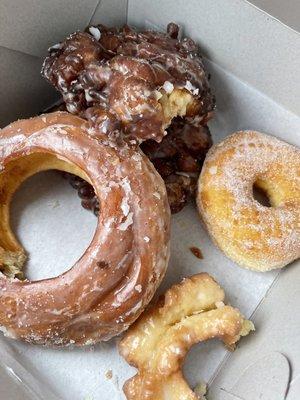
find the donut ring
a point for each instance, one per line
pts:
(110, 285)
(254, 236)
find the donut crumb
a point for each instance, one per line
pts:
(201, 390)
(109, 374)
(197, 252)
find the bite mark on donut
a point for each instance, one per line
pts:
(176, 103)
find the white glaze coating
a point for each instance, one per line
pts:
(96, 299)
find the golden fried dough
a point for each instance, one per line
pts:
(191, 312)
(251, 234)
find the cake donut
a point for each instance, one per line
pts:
(110, 285)
(253, 235)
(152, 84)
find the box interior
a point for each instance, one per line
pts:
(247, 79)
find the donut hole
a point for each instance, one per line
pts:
(46, 217)
(261, 195)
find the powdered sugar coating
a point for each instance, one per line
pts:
(96, 299)
(255, 236)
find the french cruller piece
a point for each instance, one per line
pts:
(255, 236)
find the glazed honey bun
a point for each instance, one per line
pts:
(110, 285)
(255, 236)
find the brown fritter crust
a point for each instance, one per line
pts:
(179, 158)
(121, 71)
(137, 82)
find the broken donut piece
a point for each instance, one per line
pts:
(190, 312)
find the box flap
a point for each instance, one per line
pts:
(288, 11)
(30, 26)
(111, 13)
(267, 364)
(237, 35)
(23, 91)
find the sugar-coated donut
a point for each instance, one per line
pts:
(141, 80)
(110, 285)
(253, 235)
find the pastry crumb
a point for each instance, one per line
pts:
(201, 390)
(108, 374)
(138, 288)
(247, 327)
(55, 204)
(197, 252)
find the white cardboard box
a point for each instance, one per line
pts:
(254, 60)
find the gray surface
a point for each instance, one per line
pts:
(22, 89)
(111, 13)
(287, 11)
(31, 26)
(278, 325)
(18, 382)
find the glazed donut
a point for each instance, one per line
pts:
(255, 236)
(142, 81)
(110, 285)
